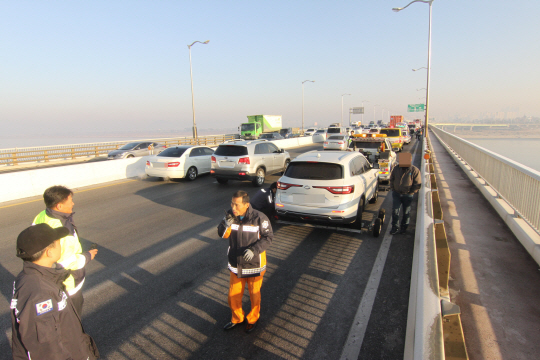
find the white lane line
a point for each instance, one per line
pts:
(352, 347)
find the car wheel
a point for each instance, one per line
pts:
(130, 156)
(191, 173)
(373, 200)
(359, 212)
(259, 180)
(222, 180)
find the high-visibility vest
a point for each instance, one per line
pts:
(71, 257)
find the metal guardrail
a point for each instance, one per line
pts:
(515, 183)
(16, 156)
(433, 323)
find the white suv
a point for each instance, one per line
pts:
(329, 186)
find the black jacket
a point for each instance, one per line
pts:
(44, 322)
(406, 180)
(253, 232)
(263, 200)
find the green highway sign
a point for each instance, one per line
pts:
(415, 107)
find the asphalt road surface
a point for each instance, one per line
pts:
(158, 286)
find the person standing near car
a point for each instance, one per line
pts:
(264, 200)
(405, 181)
(59, 212)
(45, 324)
(250, 234)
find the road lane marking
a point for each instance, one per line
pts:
(352, 347)
(75, 192)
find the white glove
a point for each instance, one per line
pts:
(248, 254)
(229, 219)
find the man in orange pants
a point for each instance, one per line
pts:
(250, 235)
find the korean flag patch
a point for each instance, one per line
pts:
(265, 224)
(44, 307)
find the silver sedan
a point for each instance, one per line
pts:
(336, 142)
(135, 149)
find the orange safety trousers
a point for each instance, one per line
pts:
(236, 292)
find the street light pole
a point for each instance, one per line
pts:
(430, 2)
(341, 124)
(192, 96)
(363, 111)
(374, 106)
(303, 103)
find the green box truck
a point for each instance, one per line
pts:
(259, 124)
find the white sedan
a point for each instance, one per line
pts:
(183, 161)
(336, 142)
(327, 186)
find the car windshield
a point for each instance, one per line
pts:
(129, 146)
(266, 136)
(321, 131)
(231, 150)
(248, 127)
(315, 171)
(373, 130)
(173, 152)
(310, 130)
(390, 132)
(283, 131)
(336, 137)
(334, 130)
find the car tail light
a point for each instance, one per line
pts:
(244, 161)
(148, 163)
(279, 205)
(338, 189)
(213, 158)
(212, 171)
(285, 186)
(341, 142)
(172, 164)
(326, 143)
(242, 174)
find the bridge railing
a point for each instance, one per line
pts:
(16, 156)
(433, 323)
(516, 184)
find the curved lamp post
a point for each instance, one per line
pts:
(303, 103)
(430, 2)
(341, 124)
(419, 68)
(374, 111)
(192, 97)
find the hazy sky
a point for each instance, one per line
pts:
(82, 66)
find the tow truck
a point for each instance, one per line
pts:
(377, 148)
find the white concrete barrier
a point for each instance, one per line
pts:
(23, 184)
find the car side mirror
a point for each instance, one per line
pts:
(281, 151)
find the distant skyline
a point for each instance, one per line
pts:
(76, 67)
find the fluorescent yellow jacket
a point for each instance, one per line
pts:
(71, 257)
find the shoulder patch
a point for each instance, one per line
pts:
(44, 307)
(265, 224)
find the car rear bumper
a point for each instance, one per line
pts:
(174, 174)
(232, 175)
(324, 218)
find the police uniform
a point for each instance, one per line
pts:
(44, 321)
(253, 232)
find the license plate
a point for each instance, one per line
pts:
(158, 165)
(226, 164)
(301, 198)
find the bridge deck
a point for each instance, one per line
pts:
(493, 278)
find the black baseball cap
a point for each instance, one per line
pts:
(37, 237)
